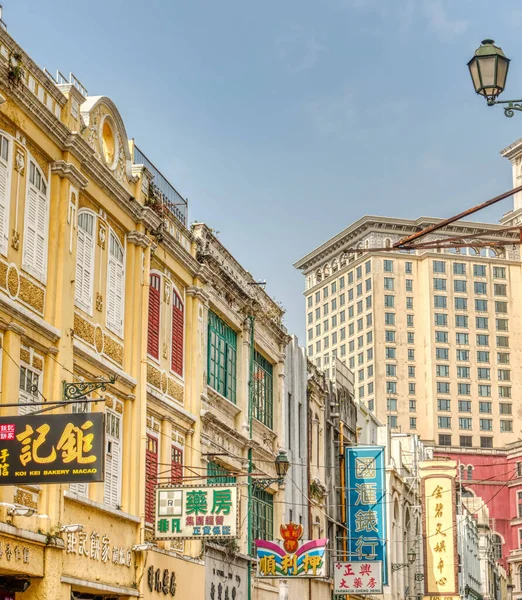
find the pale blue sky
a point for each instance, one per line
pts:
(285, 120)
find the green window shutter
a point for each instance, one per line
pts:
(216, 474)
(263, 390)
(221, 367)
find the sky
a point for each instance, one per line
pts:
(284, 121)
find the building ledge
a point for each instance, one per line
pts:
(27, 535)
(103, 587)
(112, 511)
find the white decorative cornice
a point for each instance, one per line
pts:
(138, 239)
(197, 292)
(177, 251)
(70, 172)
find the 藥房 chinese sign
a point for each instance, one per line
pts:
(439, 526)
(358, 577)
(196, 512)
(98, 547)
(365, 505)
(292, 557)
(51, 448)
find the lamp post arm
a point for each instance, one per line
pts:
(512, 105)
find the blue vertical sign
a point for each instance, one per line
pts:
(366, 504)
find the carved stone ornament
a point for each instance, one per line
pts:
(167, 292)
(15, 241)
(102, 235)
(99, 302)
(20, 162)
(165, 351)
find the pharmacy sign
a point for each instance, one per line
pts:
(200, 512)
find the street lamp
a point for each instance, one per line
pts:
(488, 69)
(412, 555)
(282, 464)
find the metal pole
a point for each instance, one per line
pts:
(251, 319)
(466, 213)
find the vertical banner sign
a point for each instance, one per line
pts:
(439, 527)
(366, 505)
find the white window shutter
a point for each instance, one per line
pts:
(80, 254)
(111, 293)
(4, 199)
(40, 248)
(31, 215)
(115, 286)
(80, 489)
(118, 298)
(112, 484)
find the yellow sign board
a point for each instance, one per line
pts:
(439, 524)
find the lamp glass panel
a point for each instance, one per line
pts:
(488, 72)
(475, 77)
(502, 69)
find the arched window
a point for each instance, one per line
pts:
(5, 195)
(35, 226)
(178, 333)
(520, 579)
(154, 315)
(496, 544)
(115, 285)
(85, 260)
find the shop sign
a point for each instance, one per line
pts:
(51, 448)
(196, 512)
(439, 526)
(97, 547)
(291, 558)
(162, 581)
(366, 499)
(358, 577)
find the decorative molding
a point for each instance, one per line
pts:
(102, 363)
(138, 239)
(70, 172)
(195, 291)
(23, 314)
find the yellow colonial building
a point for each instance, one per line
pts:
(109, 301)
(91, 234)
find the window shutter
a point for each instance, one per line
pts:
(154, 316)
(111, 492)
(31, 215)
(85, 260)
(115, 286)
(151, 474)
(177, 334)
(4, 202)
(41, 220)
(176, 474)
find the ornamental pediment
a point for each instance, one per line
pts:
(104, 131)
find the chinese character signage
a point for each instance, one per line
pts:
(292, 557)
(97, 547)
(196, 512)
(366, 505)
(439, 526)
(358, 577)
(51, 448)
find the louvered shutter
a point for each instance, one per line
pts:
(4, 200)
(40, 241)
(111, 495)
(80, 254)
(176, 474)
(31, 215)
(154, 316)
(151, 473)
(115, 286)
(177, 334)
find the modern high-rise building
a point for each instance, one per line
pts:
(433, 336)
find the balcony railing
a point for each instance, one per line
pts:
(165, 197)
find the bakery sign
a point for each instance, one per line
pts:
(38, 449)
(162, 581)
